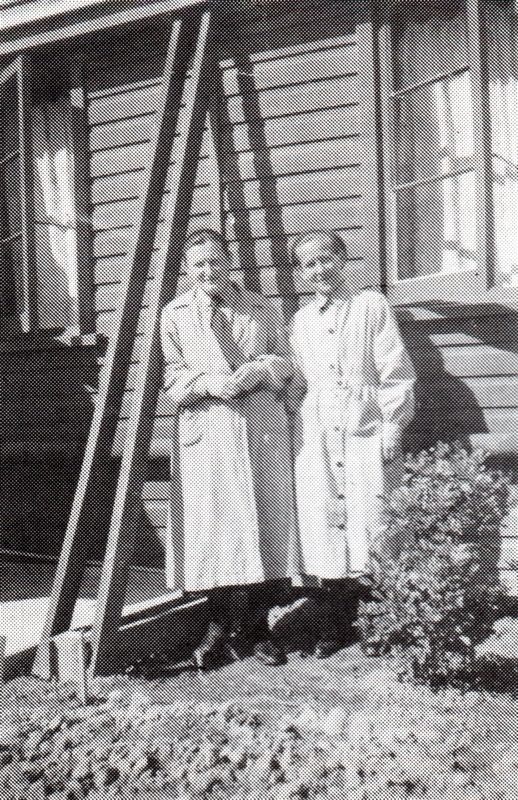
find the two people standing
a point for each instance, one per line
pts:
(230, 373)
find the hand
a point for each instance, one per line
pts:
(389, 452)
(222, 386)
(248, 377)
(391, 442)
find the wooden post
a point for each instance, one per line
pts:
(71, 661)
(29, 315)
(482, 142)
(131, 477)
(3, 643)
(368, 75)
(83, 216)
(83, 518)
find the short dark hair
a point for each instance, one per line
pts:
(329, 237)
(202, 236)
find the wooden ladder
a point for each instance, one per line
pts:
(189, 37)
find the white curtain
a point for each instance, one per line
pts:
(434, 138)
(55, 214)
(503, 74)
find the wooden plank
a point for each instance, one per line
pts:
(307, 187)
(297, 99)
(304, 28)
(387, 155)
(126, 184)
(81, 181)
(485, 320)
(29, 314)
(479, 73)
(117, 241)
(131, 130)
(122, 212)
(126, 131)
(214, 161)
(468, 362)
(24, 364)
(265, 246)
(131, 477)
(156, 512)
(110, 162)
(297, 218)
(97, 453)
(124, 104)
(291, 159)
(310, 126)
(104, 22)
(368, 77)
(302, 46)
(486, 392)
(118, 74)
(292, 69)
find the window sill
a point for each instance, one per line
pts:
(50, 340)
(458, 293)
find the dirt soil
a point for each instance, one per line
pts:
(342, 728)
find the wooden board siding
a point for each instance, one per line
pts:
(292, 117)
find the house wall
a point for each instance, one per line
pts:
(294, 124)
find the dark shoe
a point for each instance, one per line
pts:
(268, 653)
(207, 652)
(237, 644)
(237, 648)
(326, 647)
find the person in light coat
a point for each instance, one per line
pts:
(232, 524)
(348, 352)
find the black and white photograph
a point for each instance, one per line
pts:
(258, 399)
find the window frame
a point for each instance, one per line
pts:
(472, 284)
(21, 68)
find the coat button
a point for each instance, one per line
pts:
(341, 496)
(340, 526)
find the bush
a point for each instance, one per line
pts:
(435, 583)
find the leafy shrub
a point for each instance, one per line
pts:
(435, 586)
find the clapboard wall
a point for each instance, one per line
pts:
(294, 129)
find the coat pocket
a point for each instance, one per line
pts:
(363, 412)
(190, 429)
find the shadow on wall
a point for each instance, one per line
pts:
(268, 196)
(481, 341)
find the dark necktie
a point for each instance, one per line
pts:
(223, 332)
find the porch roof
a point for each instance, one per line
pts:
(25, 24)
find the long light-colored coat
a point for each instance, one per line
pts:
(359, 388)
(233, 521)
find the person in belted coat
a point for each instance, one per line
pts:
(232, 524)
(348, 351)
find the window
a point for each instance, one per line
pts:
(445, 190)
(40, 270)
(502, 32)
(17, 263)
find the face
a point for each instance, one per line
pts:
(208, 267)
(320, 268)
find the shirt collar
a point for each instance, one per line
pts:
(224, 299)
(323, 302)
